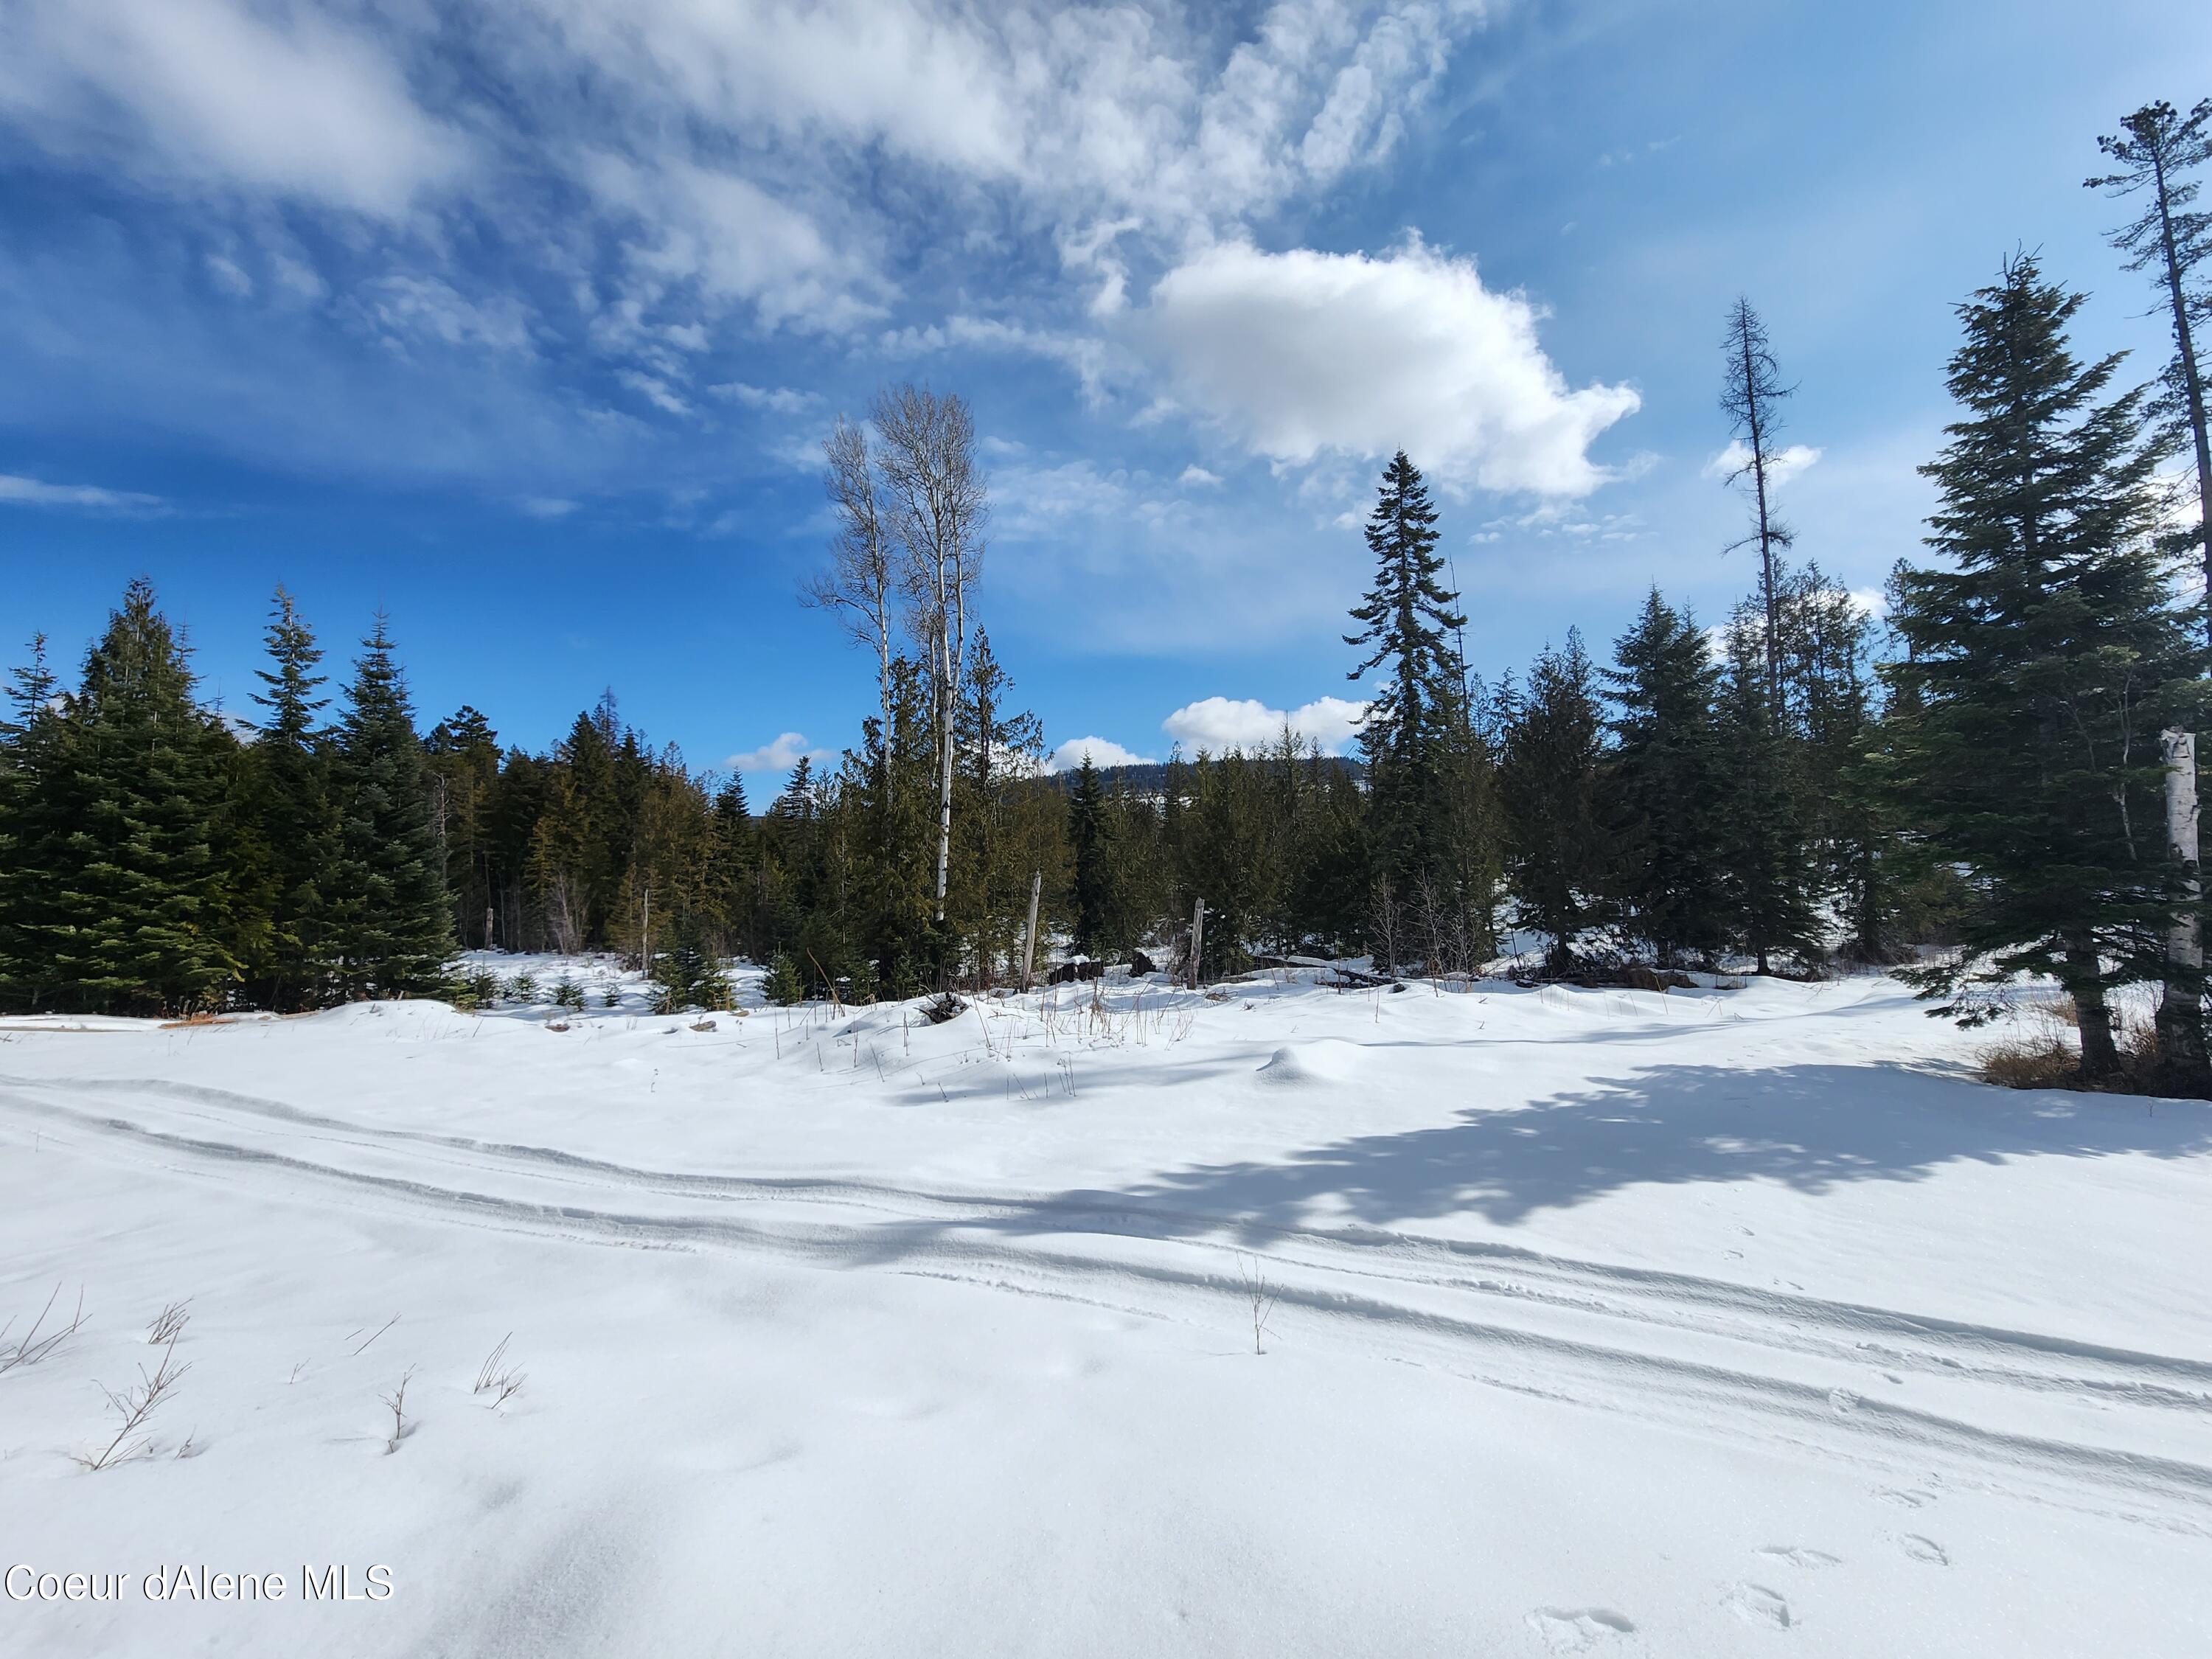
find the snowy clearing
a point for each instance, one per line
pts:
(1607, 1323)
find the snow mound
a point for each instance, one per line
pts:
(1330, 1060)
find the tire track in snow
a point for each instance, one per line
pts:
(1690, 1353)
(1853, 1331)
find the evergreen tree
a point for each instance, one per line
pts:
(2044, 657)
(33, 855)
(1548, 784)
(1406, 619)
(1088, 830)
(390, 930)
(463, 756)
(1664, 783)
(1761, 852)
(292, 812)
(121, 819)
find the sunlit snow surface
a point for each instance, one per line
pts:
(1727, 1321)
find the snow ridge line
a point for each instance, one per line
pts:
(1681, 1391)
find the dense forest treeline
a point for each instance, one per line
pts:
(1992, 767)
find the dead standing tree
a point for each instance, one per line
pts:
(937, 503)
(1751, 396)
(2170, 240)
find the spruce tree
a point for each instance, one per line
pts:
(1761, 853)
(32, 834)
(2046, 652)
(463, 754)
(1407, 620)
(1548, 785)
(390, 930)
(1664, 784)
(289, 785)
(127, 803)
(1087, 832)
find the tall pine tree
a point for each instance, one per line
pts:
(121, 819)
(1664, 785)
(1408, 619)
(288, 787)
(2045, 655)
(1548, 785)
(390, 932)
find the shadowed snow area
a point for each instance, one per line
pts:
(1698, 1323)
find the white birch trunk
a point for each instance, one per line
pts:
(2181, 1004)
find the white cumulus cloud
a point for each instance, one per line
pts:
(788, 749)
(1101, 752)
(1781, 466)
(1214, 723)
(1304, 355)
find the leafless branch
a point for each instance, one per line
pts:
(133, 1406)
(1262, 1299)
(170, 1324)
(373, 1334)
(30, 1348)
(396, 1403)
(496, 1377)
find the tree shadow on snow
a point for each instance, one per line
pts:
(1810, 1127)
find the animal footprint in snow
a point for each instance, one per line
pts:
(1923, 1549)
(1905, 1500)
(1758, 1606)
(1843, 1401)
(1797, 1555)
(1577, 1630)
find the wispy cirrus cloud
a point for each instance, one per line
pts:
(19, 491)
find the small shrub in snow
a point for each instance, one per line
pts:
(567, 993)
(396, 1403)
(133, 1406)
(468, 991)
(496, 1377)
(30, 1348)
(170, 1324)
(1262, 1299)
(610, 997)
(523, 988)
(785, 988)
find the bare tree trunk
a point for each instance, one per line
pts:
(1028, 939)
(2193, 383)
(1751, 397)
(1197, 940)
(939, 502)
(2181, 1055)
(2101, 1056)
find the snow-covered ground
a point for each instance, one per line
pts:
(1617, 1323)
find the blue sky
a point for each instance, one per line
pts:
(524, 322)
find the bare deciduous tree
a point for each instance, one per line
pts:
(937, 502)
(860, 587)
